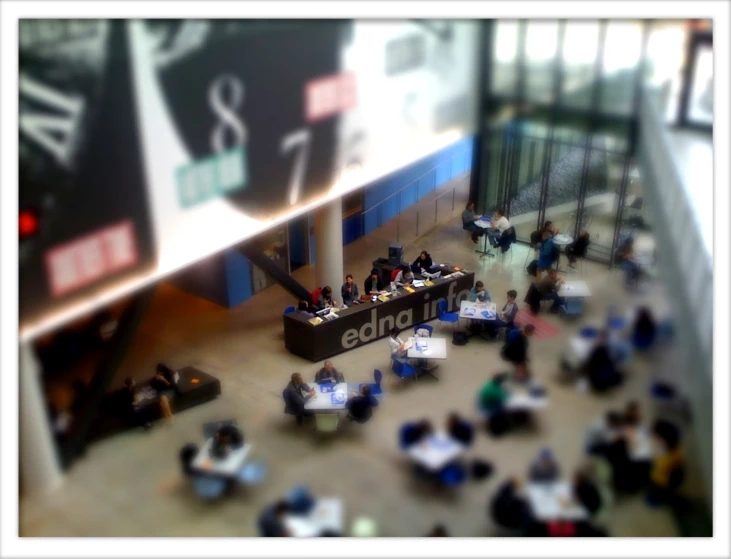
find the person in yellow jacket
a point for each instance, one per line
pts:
(668, 467)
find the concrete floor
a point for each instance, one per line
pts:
(130, 485)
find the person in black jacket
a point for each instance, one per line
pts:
(373, 284)
(228, 438)
(424, 261)
(600, 369)
(460, 429)
(578, 248)
(515, 351)
(586, 493)
(508, 508)
(271, 521)
(360, 407)
(295, 398)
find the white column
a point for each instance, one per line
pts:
(40, 470)
(329, 247)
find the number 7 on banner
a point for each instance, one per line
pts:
(297, 139)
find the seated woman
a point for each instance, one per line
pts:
(644, 330)
(228, 437)
(349, 292)
(423, 262)
(326, 298)
(668, 467)
(544, 468)
(460, 430)
(578, 248)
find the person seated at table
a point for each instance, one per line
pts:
(360, 406)
(303, 307)
(547, 254)
(130, 405)
(397, 346)
(603, 431)
(578, 248)
(373, 284)
(349, 292)
(624, 257)
(548, 226)
(493, 396)
(328, 375)
(644, 329)
(228, 437)
(424, 261)
(669, 467)
(271, 521)
(632, 415)
(585, 492)
(296, 396)
(413, 433)
(515, 351)
(478, 293)
(499, 226)
(468, 222)
(548, 289)
(404, 278)
(460, 429)
(508, 508)
(544, 468)
(439, 531)
(326, 298)
(505, 317)
(600, 369)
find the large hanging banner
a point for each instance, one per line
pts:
(149, 145)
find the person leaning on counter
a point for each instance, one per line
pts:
(404, 278)
(424, 261)
(373, 283)
(326, 298)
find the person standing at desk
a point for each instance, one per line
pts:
(373, 284)
(329, 375)
(326, 298)
(295, 398)
(468, 222)
(398, 347)
(404, 278)
(479, 293)
(349, 292)
(424, 261)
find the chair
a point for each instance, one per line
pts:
(407, 433)
(253, 473)
(453, 475)
(443, 315)
(187, 455)
(209, 488)
(402, 370)
(395, 273)
(426, 327)
(315, 295)
(589, 332)
(535, 240)
(326, 422)
(376, 388)
(289, 310)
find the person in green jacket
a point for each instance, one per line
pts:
(493, 395)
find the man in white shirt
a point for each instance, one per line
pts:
(499, 226)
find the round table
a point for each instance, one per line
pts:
(562, 240)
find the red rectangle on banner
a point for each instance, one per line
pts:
(329, 95)
(83, 261)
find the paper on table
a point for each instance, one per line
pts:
(426, 352)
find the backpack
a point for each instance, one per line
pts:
(532, 268)
(459, 338)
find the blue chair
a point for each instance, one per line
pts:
(426, 327)
(588, 332)
(573, 307)
(376, 389)
(407, 434)
(453, 475)
(253, 473)
(445, 316)
(209, 488)
(289, 310)
(402, 370)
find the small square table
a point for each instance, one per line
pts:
(327, 514)
(228, 467)
(474, 311)
(576, 288)
(436, 451)
(545, 501)
(431, 348)
(323, 401)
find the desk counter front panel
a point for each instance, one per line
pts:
(367, 322)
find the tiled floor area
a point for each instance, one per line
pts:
(130, 485)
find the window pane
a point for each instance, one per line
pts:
(700, 107)
(505, 58)
(665, 60)
(540, 54)
(622, 52)
(579, 53)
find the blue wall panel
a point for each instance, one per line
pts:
(238, 277)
